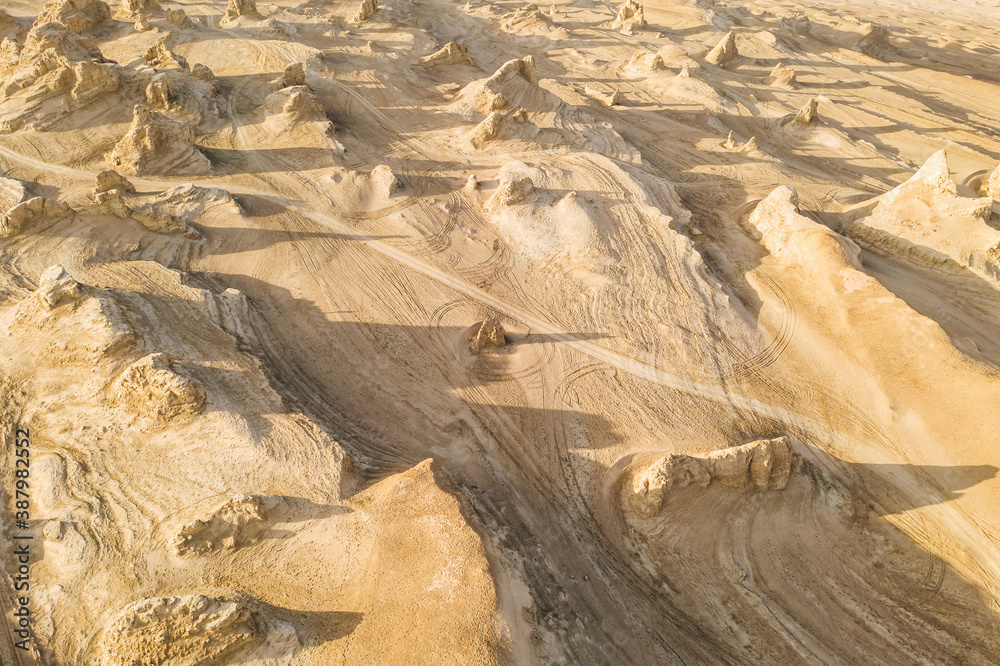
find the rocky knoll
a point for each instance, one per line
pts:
(926, 220)
(156, 145)
(755, 466)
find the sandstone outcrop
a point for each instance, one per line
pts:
(55, 71)
(489, 335)
(724, 52)
(238, 8)
(782, 76)
(451, 53)
(177, 18)
(991, 185)
(159, 56)
(804, 117)
(926, 220)
(366, 10)
(168, 212)
(28, 210)
(159, 92)
(298, 103)
(156, 145)
(192, 629)
(868, 38)
(150, 387)
(384, 180)
(512, 189)
(630, 17)
(236, 523)
(487, 95)
(485, 131)
(56, 285)
(134, 8)
(293, 75)
(112, 180)
(77, 15)
(758, 465)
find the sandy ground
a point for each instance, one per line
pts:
(745, 258)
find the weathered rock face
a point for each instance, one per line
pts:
(451, 54)
(724, 52)
(160, 57)
(112, 180)
(757, 465)
(30, 211)
(236, 523)
(188, 630)
(294, 75)
(77, 15)
(485, 131)
(159, 92)
(366, 10)
(56, 285)
(991, 186)
(156, 145)
(298, 102)
(237, 8)
(630, 17)
(925, 219)
(490, 335)
(150, 387)
(513, 189)
(136, 8)
(54, 63)
(384, 180)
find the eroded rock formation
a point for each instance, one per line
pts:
(156, 145)
(191, 629)
(724, 52)
(757, 465)
(489, 335)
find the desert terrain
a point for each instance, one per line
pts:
(467, 332)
